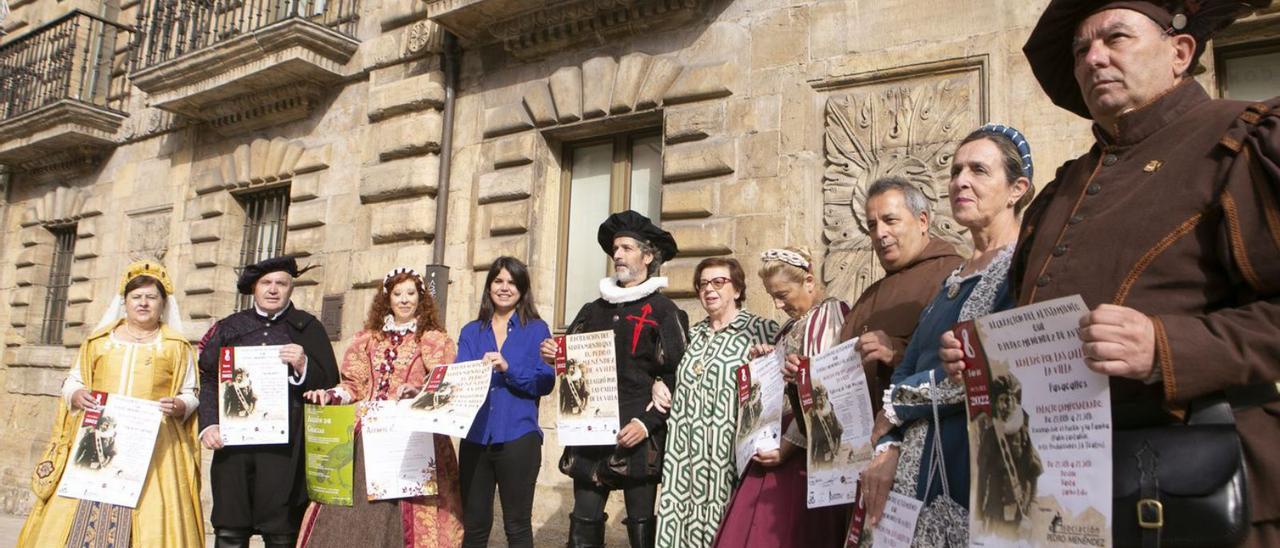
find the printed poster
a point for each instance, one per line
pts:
(397, 464)
(330, 449)
(253, 395)
(112, 451)
(897, 525)
(760, 397)
(836, 404)
(450, 400)
(587, 382)
(1040, 423)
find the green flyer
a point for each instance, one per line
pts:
(330, 448)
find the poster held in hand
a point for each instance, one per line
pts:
(330, 452)
(587, 386)
(397, 464)
(760, 397)
(253, 395)
(112, 450)
(450, 400)
(836, 404)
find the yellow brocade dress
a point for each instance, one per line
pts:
(168, 512)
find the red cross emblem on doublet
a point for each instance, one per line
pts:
(640, 322)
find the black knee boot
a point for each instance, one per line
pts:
(641, 531)
(231, 538)
(280, 540)
(586, 533)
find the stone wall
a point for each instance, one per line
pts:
(774, 114)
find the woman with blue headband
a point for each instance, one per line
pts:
(922, 447)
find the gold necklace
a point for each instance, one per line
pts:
(128, 328)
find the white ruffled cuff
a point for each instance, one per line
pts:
(889, 413)
(885, 447)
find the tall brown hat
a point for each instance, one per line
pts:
(1048, 49)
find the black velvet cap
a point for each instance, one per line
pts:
(250, 275)
(635, 225)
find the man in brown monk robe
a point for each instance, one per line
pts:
(885, 314)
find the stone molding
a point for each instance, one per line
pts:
(76, 134)
(896, 123)
(266, 77)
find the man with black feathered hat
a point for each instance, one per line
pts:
(1169, 227)
(261, 489)
(650, 336)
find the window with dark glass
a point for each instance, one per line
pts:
(602, 176)
(265, 215)
(55, 302)
(1249, 72)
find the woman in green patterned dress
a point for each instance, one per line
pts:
(698, 472)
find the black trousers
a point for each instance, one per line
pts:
(513, 468)
(260, 488)
(589, 499)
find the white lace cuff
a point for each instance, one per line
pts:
(889, 413)
(885, 447)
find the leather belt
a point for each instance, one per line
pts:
(1150, 509)
(1253, 395)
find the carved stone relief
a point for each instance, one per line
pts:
(907, 128)
(149, 235)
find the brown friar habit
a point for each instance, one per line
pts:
(1177, 217)
(893, 305)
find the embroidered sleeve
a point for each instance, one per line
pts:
(357, 371)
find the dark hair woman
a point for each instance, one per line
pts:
(504, 447)
(402, 341)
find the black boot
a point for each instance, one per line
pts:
(641, 531)
(231, 538)
(280, 540)
(586, 533)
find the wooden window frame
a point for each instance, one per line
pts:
(619, 200)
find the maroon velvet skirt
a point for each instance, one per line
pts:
(768, 509)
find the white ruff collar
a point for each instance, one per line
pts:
(613, 293)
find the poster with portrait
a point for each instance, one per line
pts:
(397, 464)
(836, 404)
(760, 397)
(112, 450)
(587, 389)
(450, 400)
(253, 395)
(1039, 429)
(329, 432)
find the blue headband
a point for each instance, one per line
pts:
(1018, 141)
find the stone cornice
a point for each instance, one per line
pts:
(67, 126)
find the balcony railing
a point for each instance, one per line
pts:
(171, 28)
(69, 58)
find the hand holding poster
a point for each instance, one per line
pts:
(897, 527)
(253, 395)
(836, 404)
(1039, 429)
(760, 397)
(449, 402)
(587, 381)
(112, 450)
(396, 464)
(330, 448)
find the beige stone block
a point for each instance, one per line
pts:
(206, 254)
(506, 184)
(21, 296)
(72, 336)
(312, 159)
(78, 315)
(698, 159)
(400, 178)
(82, 270)
(35, 381)
(506, 119)
(305, 242)
(411, 94)
(30, 217)
(632, 69)
(214, 229)
(409, 135)
(87, 228)
(210, 305)
(242, 164)
(369, 266)
(202, 281)
(506, 218)
(258, 162)
(780, 37)
(512, 150)
(304, 187)
(566, 93)
(760, 154)
(274, 163)
(395, 13)
(680, 273)
(488, 249)
(693, 122)
(755, 114)
(689, 200)
(81, 292)
(404, 220)
(40, 254)
(385, 49)
(598, 76)
(209, 181)
(701, 238)
(36, 274)
(537, 98)
(307, 214)
(36, 235)
(93, 204)
(827, 30)
(662, 74)
(701, 82)
(215, 204)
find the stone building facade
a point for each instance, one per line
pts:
(205, 134)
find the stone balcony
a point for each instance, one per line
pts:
(55, 106)
(245, 65)
(532, 28)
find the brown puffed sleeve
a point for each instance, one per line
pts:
(356, 370)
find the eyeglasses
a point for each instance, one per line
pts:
(715, 283)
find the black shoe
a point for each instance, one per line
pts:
(586, 533)
(231, 538)
(280, 540)
(641, 531)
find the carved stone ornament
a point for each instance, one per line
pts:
(149, 235)
(904, 128)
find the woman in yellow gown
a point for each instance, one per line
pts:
(138, 356)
